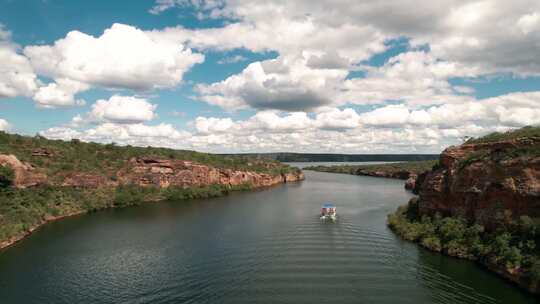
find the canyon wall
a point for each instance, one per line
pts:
(148, 171)
(484, 181)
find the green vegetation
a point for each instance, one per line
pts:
(6, 176)
(513, 245)
(412, 166)
(24, 209)
(327, 157)
(64, 156)
(508, 152)
(529, 131)
(21, 210)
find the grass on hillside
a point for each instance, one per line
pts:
(107, 159)
(529, 131)
(24, 209)
(525, 151)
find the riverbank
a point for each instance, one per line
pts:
(509, 251)
(80, 202)
(404, 170)
(44, 180)
(482, 203)
(90, 258)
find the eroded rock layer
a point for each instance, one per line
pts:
(482, 181)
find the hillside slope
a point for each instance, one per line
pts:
(43, 180)
(482, 202)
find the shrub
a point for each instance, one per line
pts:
(432, 242)
(6, 176)
(535, 270)
(512, 245)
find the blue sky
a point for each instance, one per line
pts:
(245, 76)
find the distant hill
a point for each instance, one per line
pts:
(326, 157)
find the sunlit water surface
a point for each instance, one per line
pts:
(259, 247)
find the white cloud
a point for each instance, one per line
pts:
(233, 59)
(162, 5)
(388, 129)
(294, 84)
(60, 93)
(17, 77)
(123, 57)
(4, 125)
(122, 109)
(335, 119)
(398, 128)
(285, 83)
(491, 35)
(269, 120)
(529, 23)
(162, 135)
(416, 77)
(212, 125)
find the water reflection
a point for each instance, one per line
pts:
(262, 247)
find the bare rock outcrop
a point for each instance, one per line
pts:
(165, 172)
(480, 181)
(410, 183)
(87, 180)
(25, 174)
(41, 152)
(148, 171)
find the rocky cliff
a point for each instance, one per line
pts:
(481, 181)
(148, 171)
(164, 173)
(25, 174)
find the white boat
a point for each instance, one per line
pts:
(328, 212)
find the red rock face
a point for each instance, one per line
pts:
(479, 181)
(164, 173)
(151, 172)
(87, 180)
(410, 184)
(25, 174)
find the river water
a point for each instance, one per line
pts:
(265, 246)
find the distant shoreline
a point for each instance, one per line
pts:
(329, 157)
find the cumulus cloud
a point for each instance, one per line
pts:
(529, 23)
(415, 77)
(299, 83)
(60, 93)
(122, 109)
(4, 125)
(212, 125)
(511, 110)
(397, 128)
(161, 135)
(495, 36)
(17, 77)
(305, 97)
(122, 57)
(389, 129)
(336, 119)
(284, 83)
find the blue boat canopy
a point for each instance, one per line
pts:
(328, 205)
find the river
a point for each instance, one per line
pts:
(266, 246)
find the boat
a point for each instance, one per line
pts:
(328, 212)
